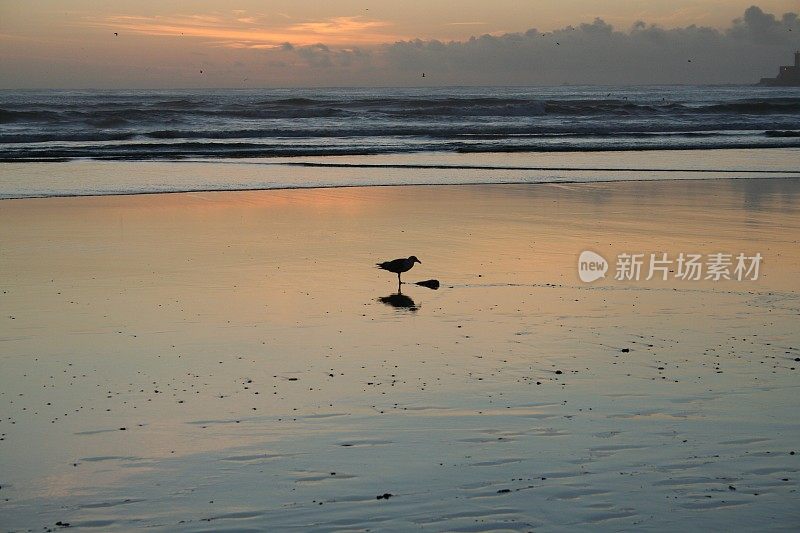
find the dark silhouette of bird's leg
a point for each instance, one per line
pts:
(399, 283)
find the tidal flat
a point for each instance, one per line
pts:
(235, 361)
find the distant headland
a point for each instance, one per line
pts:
(788, 76)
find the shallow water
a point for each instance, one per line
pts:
(240, 341)
(101, 178)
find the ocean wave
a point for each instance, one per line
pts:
(241, 149)
(116, 113)
(776, 105)
(782, 133)
(180, 124)
(381, 131)
(11, 115)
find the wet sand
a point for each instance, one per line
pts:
(234, 361)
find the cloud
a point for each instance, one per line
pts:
(764, 28)
(278, 50)
(338, 26)
(590, 53)
(254, 31)
(597, 53)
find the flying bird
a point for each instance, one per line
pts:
(398, 266)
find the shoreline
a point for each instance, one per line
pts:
(101, 178)
(521, 151)
(392, 185)
(746, 145)
(625, 175)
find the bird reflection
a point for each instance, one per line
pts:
(399, 301)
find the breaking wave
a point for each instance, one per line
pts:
(237, 123)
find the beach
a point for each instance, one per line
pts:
(234, 360)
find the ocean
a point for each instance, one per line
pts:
(408, 125)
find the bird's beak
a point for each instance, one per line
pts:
(418, 261)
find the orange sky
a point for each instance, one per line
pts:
(51, 43)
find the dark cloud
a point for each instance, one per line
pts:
(599, 53)
(591, 53)
(764, 28)
(317, 55)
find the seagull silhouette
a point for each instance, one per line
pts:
(398, 266)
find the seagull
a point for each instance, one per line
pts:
(398, 266)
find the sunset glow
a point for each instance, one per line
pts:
(282, 43)
(256, 32)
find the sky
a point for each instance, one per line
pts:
(298, 43)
